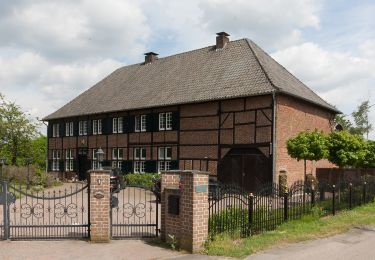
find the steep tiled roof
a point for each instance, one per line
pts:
(240, 69)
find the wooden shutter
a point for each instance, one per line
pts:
(174, 165)
(62, 129)
(49, 129)
(150, 166)
(75, 128)
(61, 166)
(149, 123)
(175, 120)
(127, 166)
(130, 124)
(49, 166)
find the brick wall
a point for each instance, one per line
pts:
(190, 226)
(99, 206)
(294, 116)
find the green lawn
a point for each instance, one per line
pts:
(308, 227)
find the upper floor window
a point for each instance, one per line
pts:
(140, 123)
(165, 121)
(82, 128)
(55, 130)
(117, 153)
(97, 127)
(69, 129)
(117, 125)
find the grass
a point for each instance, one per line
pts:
(309, 227)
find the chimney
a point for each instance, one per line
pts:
(221, 40)
(150, 57)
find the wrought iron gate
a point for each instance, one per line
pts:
(53, 214)
(134, 213)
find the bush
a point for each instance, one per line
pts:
(141, 179)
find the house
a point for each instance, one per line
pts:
(227, 108)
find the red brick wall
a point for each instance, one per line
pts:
(294, 116)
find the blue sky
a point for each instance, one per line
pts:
(51, 51)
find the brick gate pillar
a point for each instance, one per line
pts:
(99, 205)
(190, 225)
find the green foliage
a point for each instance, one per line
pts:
(360, 116)
(141, 179)
(16, 132)
(39, 151)
(308, 146)
(368, 160)
(345, 149)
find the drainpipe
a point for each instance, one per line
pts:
(274, 177)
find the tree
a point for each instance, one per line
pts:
(345, 149)
(39, 151)
(16, 132)
(361, 120)
(368, 160)
(345, 123)
(310, 146)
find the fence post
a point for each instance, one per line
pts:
(250, 213)
(333, 199)
(286, 206)
(6, 211)
(312, 196)
(350, 195)
(364, 192)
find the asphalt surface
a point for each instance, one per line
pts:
(358, 243)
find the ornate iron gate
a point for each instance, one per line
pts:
(54, 214)
(134, 213)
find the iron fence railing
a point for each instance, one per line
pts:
(234, 211)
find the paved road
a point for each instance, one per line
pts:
(358, 243)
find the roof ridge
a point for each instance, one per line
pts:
(260, 64)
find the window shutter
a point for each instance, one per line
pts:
(150, 166)
(49, 129)
(130, 124)
(155, 122)
(175, 120)
(174, 165)
(75, 128)
(106, 163)
(127, 166)
(49, 166)
(149, 123)
(61, 165)
(74, 165)
(62, 129)
(108, 122)
(125, 124)
(89, 127)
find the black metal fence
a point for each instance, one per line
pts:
(233, 211)
(54, 214)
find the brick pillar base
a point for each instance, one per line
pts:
(190, 226)
(99, 206)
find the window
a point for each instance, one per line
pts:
(82, 128)
(117, 164)
(117, 153)
(139, 160)
(69, 160)
(96, 127)
(164, 158)
(55, 130)
(140, 123)
(95, 162)
(117, 125)
(69, 129)
(55, 160)
(165, 121)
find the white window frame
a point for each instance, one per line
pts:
(69, 129)
(55, 160)
(97, 127)
(139, 166)
(55, 130)
(117, 126)
(82, 127)
(140, 123)
(95, 161)
(114, 125)
(161, 121)
(117, 153)
(139, 161)
(164, 161)
(168, 121)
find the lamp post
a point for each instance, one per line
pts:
(28, 162)
(2, 161)
(100, 156)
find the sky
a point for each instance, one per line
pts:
(51, 51)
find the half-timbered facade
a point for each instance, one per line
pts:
(214, 109)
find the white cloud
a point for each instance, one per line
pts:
(340, 78)
(368, 48)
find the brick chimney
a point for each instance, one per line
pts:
(150, 57)
(221, 40)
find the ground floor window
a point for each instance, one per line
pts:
(56, 160)
(69, 160)
(139, 166)
(164, 158)
(117, 164)
(164, 166)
